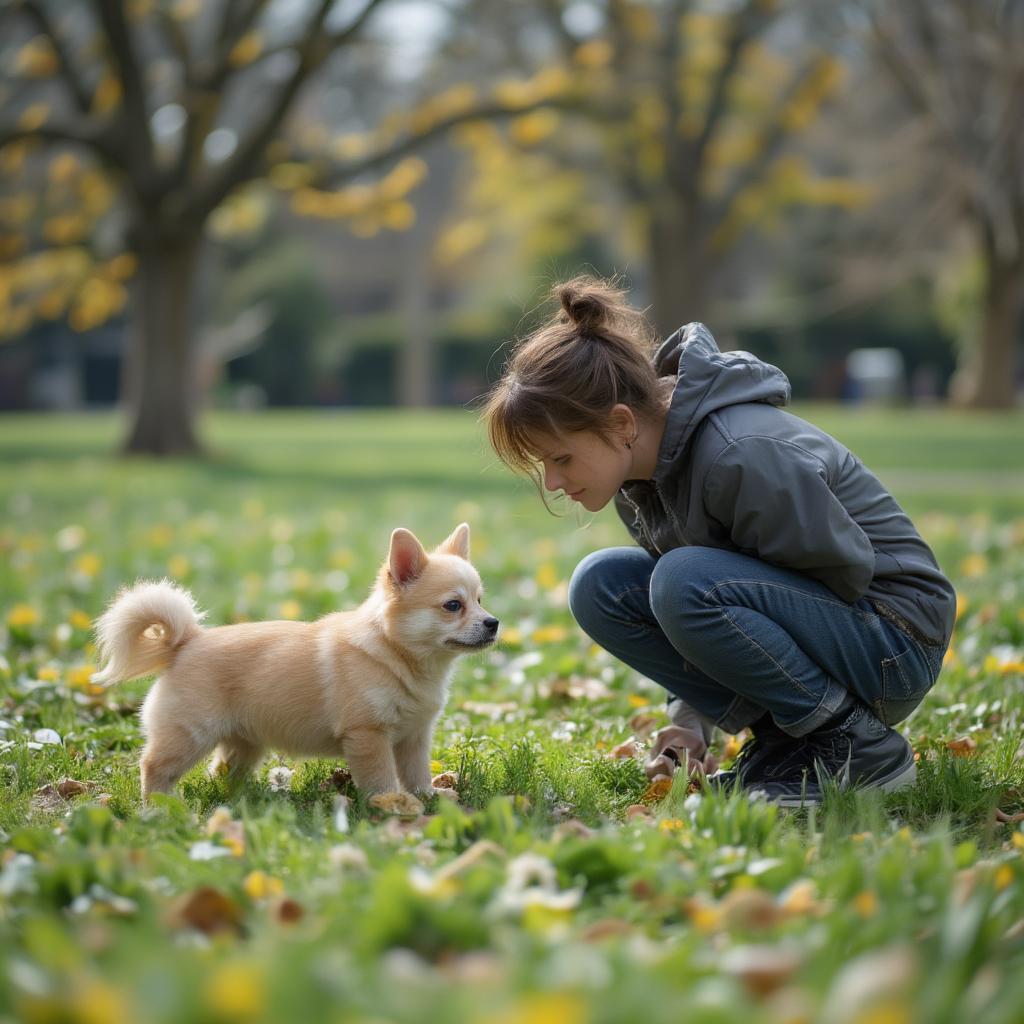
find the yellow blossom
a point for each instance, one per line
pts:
(87, 564)
(544, 1008)
(81, 676)
(236, 990)
(512, 636)
(291, 610)
(974, 566)
(80, 620)
(866, 903)
(97, 1002)
(961, 605)
(178, 566)
(260, 886)
(1018, 840)
(547, 577)
(1004, 877)
(636, 701)
(549, 634)
(671, 824)
(48, 674)
(22, 615)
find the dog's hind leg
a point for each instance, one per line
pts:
(235, 757)
(167, 756)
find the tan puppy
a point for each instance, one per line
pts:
(366, 684)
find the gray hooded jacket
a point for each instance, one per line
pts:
(735, 471)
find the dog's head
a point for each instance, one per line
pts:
(433, 600)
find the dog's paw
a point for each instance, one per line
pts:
(403, 804)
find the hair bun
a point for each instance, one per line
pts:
(584, 304)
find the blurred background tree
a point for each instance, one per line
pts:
(159, 117)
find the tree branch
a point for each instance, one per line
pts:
(38, 13)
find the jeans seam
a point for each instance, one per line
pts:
(635, 623)
(866, 616)
(796, 682)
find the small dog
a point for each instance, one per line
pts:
(367, 684)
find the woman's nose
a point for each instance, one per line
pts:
(551, 480)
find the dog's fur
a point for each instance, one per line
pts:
(367, 684)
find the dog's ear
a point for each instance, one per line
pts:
(457, 543)
(406, 559)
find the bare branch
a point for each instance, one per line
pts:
(38, 14)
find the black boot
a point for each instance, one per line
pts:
(765, 745)
(859, 752)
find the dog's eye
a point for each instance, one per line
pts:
(452, 606)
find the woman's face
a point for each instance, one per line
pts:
(583, 465)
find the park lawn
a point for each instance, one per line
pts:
(536, 897)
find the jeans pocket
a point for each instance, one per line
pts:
(906, 679)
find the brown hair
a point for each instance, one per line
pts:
(592, 354)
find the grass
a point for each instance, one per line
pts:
(537, 896)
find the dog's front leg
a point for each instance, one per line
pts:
(371, 760)
(412, 756)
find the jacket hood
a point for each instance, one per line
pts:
(709, 379)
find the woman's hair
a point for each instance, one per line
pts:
(592, 354)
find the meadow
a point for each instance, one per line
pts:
(559, 886)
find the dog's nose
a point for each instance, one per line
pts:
(491, 625)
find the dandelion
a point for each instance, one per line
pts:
(22, 616)
(549, 634)
(87, 564)
(80, 620)
(280, 778)
(178, 566)
(236, 991)
(290, 610)
(260, 886)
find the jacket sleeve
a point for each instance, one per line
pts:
(774, 498)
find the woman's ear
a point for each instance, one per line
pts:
(623, 423)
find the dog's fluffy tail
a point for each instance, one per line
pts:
(142, 629)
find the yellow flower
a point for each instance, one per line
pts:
(48, 674)
(866, 903)
(236, 990)
(81, 676)
(97, 1002)
(549, 634)
(544, 1008)
(547, 577)
(261, 886)
(885, 1013)
(87, 564)
(732, 747)
(1018, 840)
(974, 566)
(1004, 877)
(705, 917)
(178, 566)
(22, 615)
(79, 619)
(636, 701)
(291, 610)
(961, 605)
(511, 636)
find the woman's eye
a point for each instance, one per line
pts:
(452, 606)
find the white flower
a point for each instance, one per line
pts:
(205, 850)
(46, 736)
(347, 855)
(280, 778)
(341, 814)
(530, 869)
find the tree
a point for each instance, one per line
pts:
(163, 118)
(959, 68)
(698, 110)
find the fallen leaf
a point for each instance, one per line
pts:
(71, 787)
(965, 746)
(637, 811)
(761, 969)
(446, 780)
(207, 910)
(751, 909)
(403, 804)
(629, 748)
(288, 911)
(643, 724)
(657, 790)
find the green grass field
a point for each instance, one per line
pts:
(536, 897)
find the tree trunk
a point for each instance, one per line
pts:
(992, 380)
(416, 354)
(680, 273)
(159, 383)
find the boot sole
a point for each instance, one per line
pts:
(902, 778)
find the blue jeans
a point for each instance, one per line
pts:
(734, 636)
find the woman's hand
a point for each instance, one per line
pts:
(667, 753)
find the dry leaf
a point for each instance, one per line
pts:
(761, 969)
(571, 828)
(637, 811)
(629, 748)
(750, 908)
(207, 910)
(657, 790)
(288, 911)
(403, 804)
(962, 747)
(446, 780)
(71, 787)
(643, 724)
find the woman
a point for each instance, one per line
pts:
(777, 585)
